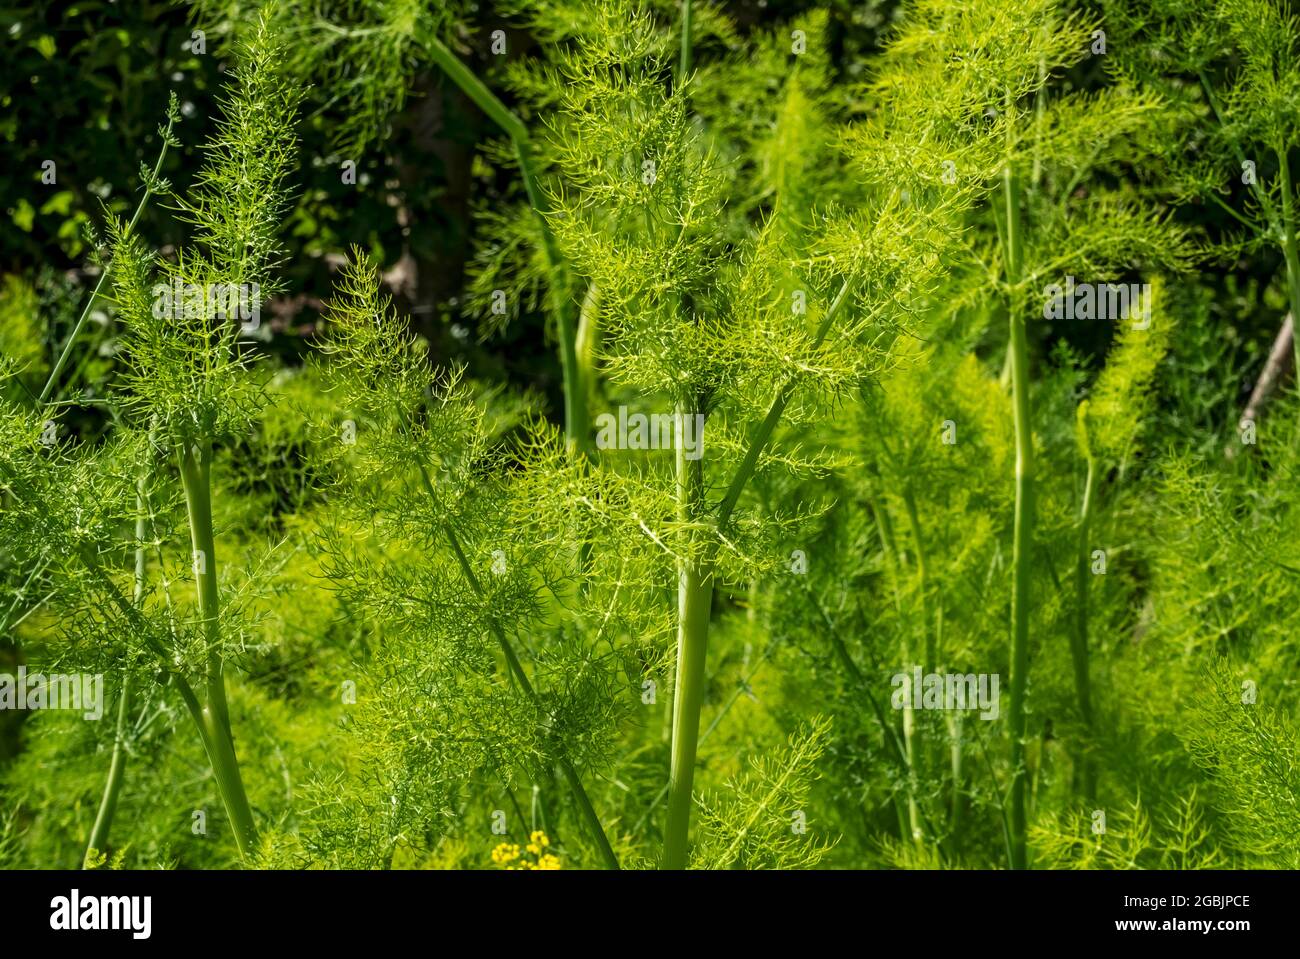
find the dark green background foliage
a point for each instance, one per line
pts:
(87, 83)
(437, 606)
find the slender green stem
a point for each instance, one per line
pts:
(1040, 113)
(684, 65)
(577, 426)
(885, 529)
(955, 727)
(914, 824)
(695, 601)
(103, 276)
(1286, 226)
(213, 719)
(7, 623)
(915, 816)
(759, 440)
(1289, 251)
(923, 579)
(577, 423)
(476, 90)
(519, 810)
(98, 842)
(932, 623)
(1024, 521)
(516, 668)
(918, 754)
(1215, 107)
(1079, 639)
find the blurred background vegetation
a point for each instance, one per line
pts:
(86, 84)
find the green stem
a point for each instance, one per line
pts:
(918, 753)
(932, 624)
(577, 426)
(742, 687)
(912, 821)
(885, 528)
(585, 345)
(684, 66)
(695, 600)
(1024, 523)
(519, 811)
(584, 393)
(1079, 639)
(923, 580)
(103, 276)
(1040, 112)
(955, 728)
(516, 668)
(98, 842)
(213, 719)
(577, 422)
(1213, 101)
(1289, 251)
(476, 90)
(759, 440)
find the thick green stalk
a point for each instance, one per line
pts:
(103, 276)
(1024, 521)
(585, 346)
(213, 719)
(695, 600)
(577, 425)
(98, 842)
(742, 687)
(1079, 639)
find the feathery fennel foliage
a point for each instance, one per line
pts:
(460, 626)
(185, 386)
(424, 480)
